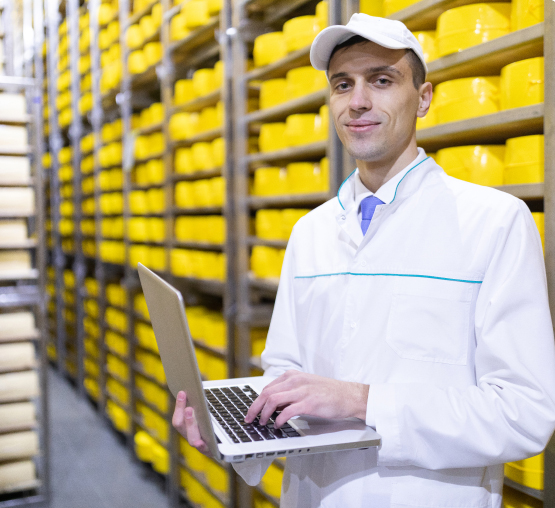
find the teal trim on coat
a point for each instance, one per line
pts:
(388, 275)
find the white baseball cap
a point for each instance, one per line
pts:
(385, 32)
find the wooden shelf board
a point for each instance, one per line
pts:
(304, 104)
(27, 274)
(203, 36)
(199, 103)
(494, 128)
(146, 79)
(24, 244)
(210, 135)
(217, 351)
(488, 58)
(311, 151)
(267, 285)
(278, 244)
(15, 150)
(15, 119)
(197, 175)
(537, 494)
(198, 245)
(209, 286)
(136, 16)
(26, 337)
(149, 129)
(257, 202)
(423, 14)
(524, 191)
(207, 210)
(280, 68)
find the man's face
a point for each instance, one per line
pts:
(373, 100)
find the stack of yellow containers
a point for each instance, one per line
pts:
(193, 15)
(85, 84)
(63, 99)
(66, 226)
(108, 42)
(88, 225)
(51, 323)
(91, 341)
(110, 184)
(118, 379)
(209, 329)
(69, 315)
(148, 449)
(143, 38)
(205, 481)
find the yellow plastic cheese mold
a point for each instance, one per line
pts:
(269, 48)
(266, 262)
(480, 164)
(300, 32)
(136, 62)
(470, 25)
(522, 83)
(273, 92)
(322, 14)
(270, 181)
(463, 98)
(427, 40)
(392, 6)
(178, 27)
(526, 13)
(148, 26)
(304, 80)
(524, 160)
(184, 91)
(152, 53)
(204, 82)
(307, 177)
(272, 137)
(372, 7)
(528, 472)
(196, 13)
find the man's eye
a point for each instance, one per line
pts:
(342, 86)
(383, 81)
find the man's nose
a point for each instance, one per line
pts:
(360, 99)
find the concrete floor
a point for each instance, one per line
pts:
(90, 465)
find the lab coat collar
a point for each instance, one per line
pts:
(411, 180)
(347, 213)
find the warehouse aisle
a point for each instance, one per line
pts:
(90, 467)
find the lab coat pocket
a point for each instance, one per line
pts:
(430, 328)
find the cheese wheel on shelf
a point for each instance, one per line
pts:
(19, 385)
(17, 474)
(19, 445)
(14, 170)
(17, 324)
(19, 414)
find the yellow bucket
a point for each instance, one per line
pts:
(524, 160)
(268, 223)
(184, 161)
(481, 164)
(300, 129)
(306, 178)
(203, 82)
(153, 53)
(470, 25)
(148, 26)
(526, 13)
(463, 98)
(522, 83)
(202, 155)
(184, 91)
(218, 152)
(269, 48)
(300, 32)
(136, 62)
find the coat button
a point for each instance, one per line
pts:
(343, 217)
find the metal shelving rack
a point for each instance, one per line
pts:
(28, 293)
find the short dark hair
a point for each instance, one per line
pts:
(418, 71)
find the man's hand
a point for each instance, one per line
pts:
(297, 393)
(185, 423)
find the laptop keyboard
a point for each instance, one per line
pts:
(229, 407)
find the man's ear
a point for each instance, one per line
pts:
(425, 92)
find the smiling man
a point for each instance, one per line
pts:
(412, 300)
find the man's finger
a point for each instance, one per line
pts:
(193, 432)
(274, 401)
(288, 413)
(178, 418)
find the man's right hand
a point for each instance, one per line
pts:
(185, 423)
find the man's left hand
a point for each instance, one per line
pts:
(297, 393)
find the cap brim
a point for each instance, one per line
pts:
(332, 36)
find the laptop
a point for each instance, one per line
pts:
(220, 406)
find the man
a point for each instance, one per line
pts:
(412, 300)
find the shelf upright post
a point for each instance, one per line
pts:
(7, 17)
(549, 209)
(38, 151)
(130, 281)
(75, 134)
(56, 143)
(167, 76)
(96, 120)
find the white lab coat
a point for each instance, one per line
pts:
(442, 309)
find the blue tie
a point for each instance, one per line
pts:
(367, 207)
